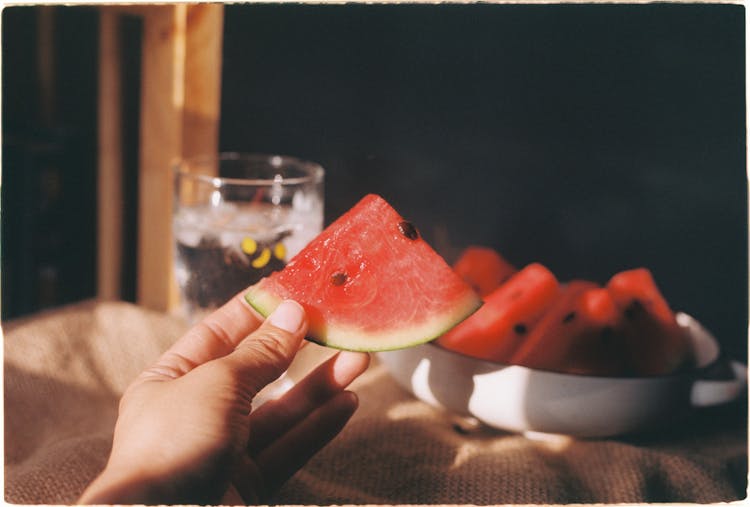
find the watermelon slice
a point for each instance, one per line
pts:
(508, 315)
(656, 344)
(483, 268)
(577, 334)
(369, 282)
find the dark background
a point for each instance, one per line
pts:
(591, 138)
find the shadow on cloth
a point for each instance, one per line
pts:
(57, 437)
(398, 450)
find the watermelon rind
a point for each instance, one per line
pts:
(347, 337)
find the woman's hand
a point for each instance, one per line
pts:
(185, 431)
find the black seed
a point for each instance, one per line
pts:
(520, 328)
(338, 278)
(569, 317)
(607, 334)
(408, 230)
(633, 309)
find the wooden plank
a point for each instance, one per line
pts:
(180, 101)
(109, 185)
(200, 134)
(162, 102)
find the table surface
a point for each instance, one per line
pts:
(65, 370)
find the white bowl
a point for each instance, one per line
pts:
(520, 399)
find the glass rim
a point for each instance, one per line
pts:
(314, 171)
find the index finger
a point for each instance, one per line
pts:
(215, 336)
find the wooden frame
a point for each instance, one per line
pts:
(179, 116)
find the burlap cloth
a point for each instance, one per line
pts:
(65, 370)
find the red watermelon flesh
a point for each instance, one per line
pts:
(656, 344)
(370, 282)
(542, 349)
(483, 268)
(577, 335)
(508, 315)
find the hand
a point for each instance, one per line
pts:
(185, 432)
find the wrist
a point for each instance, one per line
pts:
(122, 487)
(136, 485)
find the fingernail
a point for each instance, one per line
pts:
(350, 399)
(287, 316)
(348, 366)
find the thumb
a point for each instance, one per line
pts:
(266, 353)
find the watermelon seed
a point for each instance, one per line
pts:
(519, 328)
(338, 278)
(607, 334)
(569, 317)
(408, 230)
(633, 309)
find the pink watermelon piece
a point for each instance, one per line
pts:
(483, 268)
(369, 282)
(655, 343)
(508, 315)
(577, 334)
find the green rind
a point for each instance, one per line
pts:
(262, 301)
(353, 339)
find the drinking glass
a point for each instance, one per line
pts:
(237, 218)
